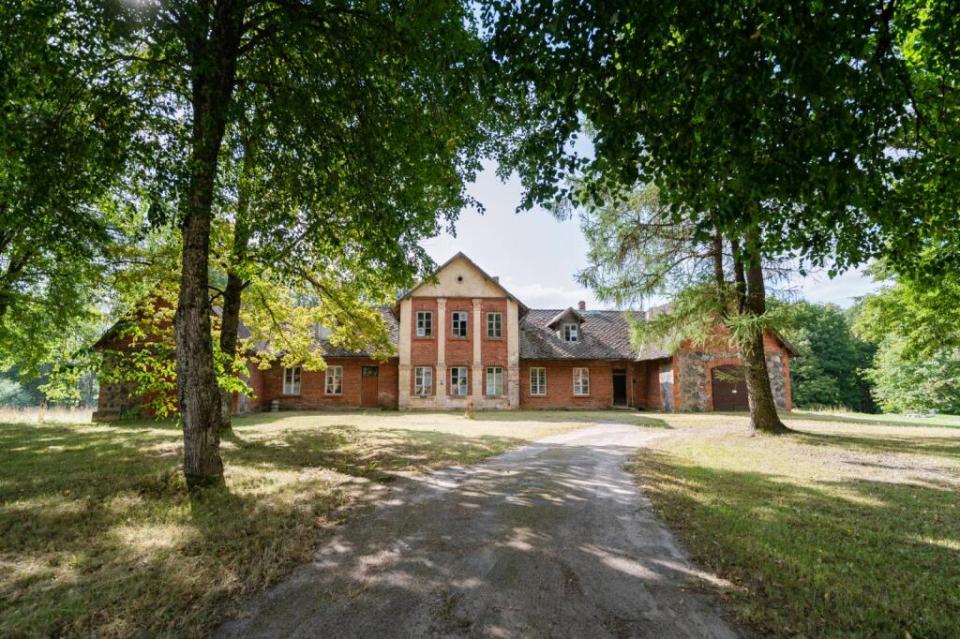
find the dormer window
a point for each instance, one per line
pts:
(571, 332)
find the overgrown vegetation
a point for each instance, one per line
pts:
(847, 528)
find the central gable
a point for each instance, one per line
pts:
(460, 277)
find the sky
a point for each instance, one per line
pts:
(537, 256)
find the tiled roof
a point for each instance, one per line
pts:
(603, 335)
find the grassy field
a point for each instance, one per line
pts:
(848, 528)
(98, 536)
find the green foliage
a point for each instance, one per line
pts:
(829, 370)
(773, 114)
(904, 383)
(916, 325)
(13, 393)
(65, 127)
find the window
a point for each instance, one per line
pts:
(291, 381)
(335, 380)
(571, 332)
(458, 323)
(581, 381)
(424, 323)
(494, 381)
(423, 381)
(494, 325)
(458, 381)
(538, 381)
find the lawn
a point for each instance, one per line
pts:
(845, 529)
(100, 538)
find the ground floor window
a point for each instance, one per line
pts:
(291, 380)
(581, 381)
(335, 380)
(458, 381)
(538, 380)
(494, 381)
(423, 381)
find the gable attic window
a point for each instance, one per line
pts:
(424, 323)
(571, 332)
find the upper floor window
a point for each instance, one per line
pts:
(334, 380)
(458, 324)
(291, 381)
(423, 381)
(538, 380)
(494, 381)
(581, 381)
(458, 381)
(494, 325)
(571, 332)
(424, 323)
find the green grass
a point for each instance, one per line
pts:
(99, 537)
(895, 419)
(842, 530)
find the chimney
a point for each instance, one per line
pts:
(496, 279)
(581, 305)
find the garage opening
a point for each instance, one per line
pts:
(729, 388)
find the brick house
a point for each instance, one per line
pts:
(463, 340)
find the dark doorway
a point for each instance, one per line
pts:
(729, 388)
(619, 387)
(370, 386)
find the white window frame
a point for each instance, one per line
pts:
(581, 382)
(333, 380)
(423, 381)
(424, 324)
(571, 332)
(461, 318)
(495, 320)
(462, 381)
(292, 378)
(495, 375)
(538, 381)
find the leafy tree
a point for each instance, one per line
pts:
(64, 130)
(376, 103)
(915, 384)
(829, 371)
(914, 321)
(768, 122)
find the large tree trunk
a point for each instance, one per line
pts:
(763, 409)
(213, 41)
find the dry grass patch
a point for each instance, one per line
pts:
(99, 537)
(843, 529)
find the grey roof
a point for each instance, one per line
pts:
(603, 335)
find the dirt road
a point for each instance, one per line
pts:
(549, 540)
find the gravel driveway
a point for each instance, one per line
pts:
(549, 540)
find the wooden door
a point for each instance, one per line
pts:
(370, 386)
(729, 388)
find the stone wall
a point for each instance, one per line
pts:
(696, 384)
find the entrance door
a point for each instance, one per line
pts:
(729, 388)
(370, 386)
(619, 387)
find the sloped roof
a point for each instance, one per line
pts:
(604, 335)
(461, 255)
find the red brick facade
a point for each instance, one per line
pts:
(528, 339)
